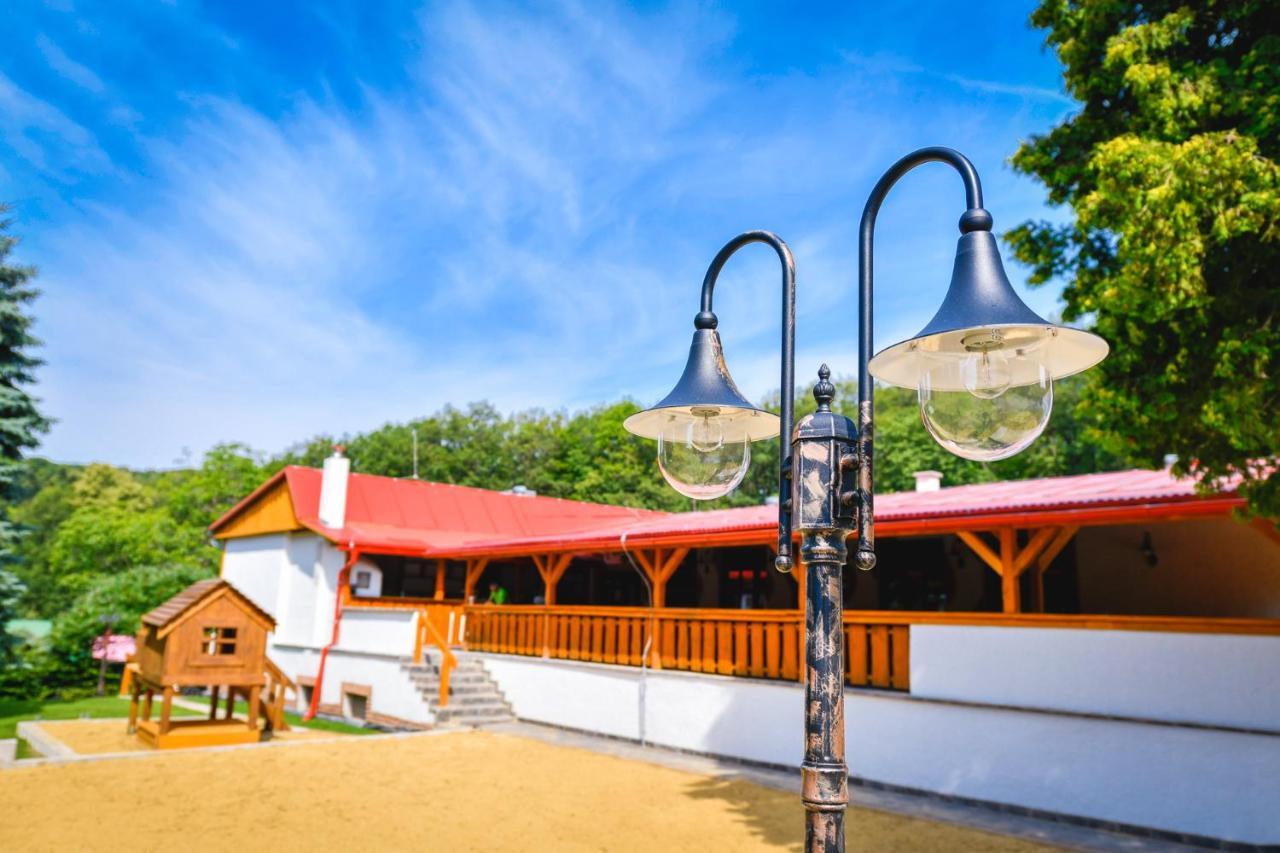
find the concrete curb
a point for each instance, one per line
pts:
(55, 752)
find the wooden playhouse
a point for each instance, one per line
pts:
(210, 635)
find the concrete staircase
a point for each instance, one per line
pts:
(474, 697)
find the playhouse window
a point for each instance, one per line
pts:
(219, 641)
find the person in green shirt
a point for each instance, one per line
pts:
(497, 595)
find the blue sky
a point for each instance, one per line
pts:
(263, 221)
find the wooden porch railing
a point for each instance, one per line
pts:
(765, 643)
(429, 633)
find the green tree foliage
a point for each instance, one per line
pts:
(126, 595)
(197, 497)
(10, 592)
(1170, 168)
(98, 541)
(21, 423)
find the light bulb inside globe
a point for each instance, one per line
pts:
(705, 432)
(985, 371)
(702, 452)
(989, 400)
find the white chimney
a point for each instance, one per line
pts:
(333, 489)
(928, 481)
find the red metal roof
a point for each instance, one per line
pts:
(1082, 499)
(385, 513)
(434, 519)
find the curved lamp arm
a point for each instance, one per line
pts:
(974, 217)
(706, 319)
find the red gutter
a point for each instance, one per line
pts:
(344, 575)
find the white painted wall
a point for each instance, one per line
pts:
(255, 565)
(374, 588)
(386, 632)
(1177, 778)
(1204, 782)
(298, 590)
(1221, 680)
(392, 691)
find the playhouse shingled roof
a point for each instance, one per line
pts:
(173, 609)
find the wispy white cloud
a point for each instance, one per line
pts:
(889, 64)
(44, 136)
(526, 222)
(67, 67)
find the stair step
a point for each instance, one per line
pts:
(446, 714)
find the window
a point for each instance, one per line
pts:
(219, 641)
(357, 706)
(363, 578)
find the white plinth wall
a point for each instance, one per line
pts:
(1177, 732)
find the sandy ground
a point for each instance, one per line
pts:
(96, 737)
(455, 791)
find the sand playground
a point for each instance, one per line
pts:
(454, 790)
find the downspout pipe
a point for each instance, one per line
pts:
(648, 639)
(344, 578)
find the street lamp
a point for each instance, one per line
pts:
(983, 369)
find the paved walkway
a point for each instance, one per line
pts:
(1067, 835)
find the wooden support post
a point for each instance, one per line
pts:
(146, 705)
(1062, 536)
(133, 708)
(475, 568)
(1010, 594)
(231, 704)
(166, 708)
(658, 566)
(255, 693)
(440, 564)
(1010, 562)
(213, 701)
(551, 567)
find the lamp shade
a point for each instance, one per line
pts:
(982, 314)
(706, 390)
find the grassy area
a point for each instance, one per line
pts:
(14, 711)
(25, 750)
(296, 719)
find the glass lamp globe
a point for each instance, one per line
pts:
(992, 398)
(704, 427)
(985, 365)
(704, 453)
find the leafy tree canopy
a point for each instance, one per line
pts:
(1170, 169)
(20, 421)
(126, 596)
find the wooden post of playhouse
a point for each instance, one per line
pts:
(255, 693)
(440, 564)
(475, 568)
(133, 707)
(213, 701)
(166, 709)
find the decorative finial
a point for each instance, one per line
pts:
(824, 392)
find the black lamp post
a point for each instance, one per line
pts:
(983, 368)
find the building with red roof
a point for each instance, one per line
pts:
(1082, 616)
